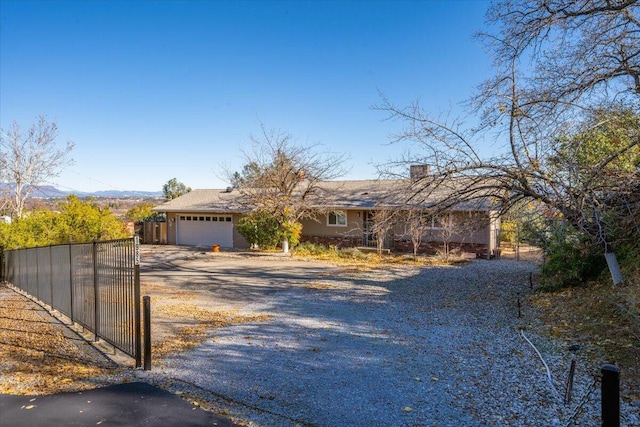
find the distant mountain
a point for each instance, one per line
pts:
(126, 193)
(49, 191)
(44, 191)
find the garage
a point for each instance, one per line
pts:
(205, 230)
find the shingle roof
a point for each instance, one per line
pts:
(205, 201)
(360, 194)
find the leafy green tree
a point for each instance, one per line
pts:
(173, 189)
(143, 212)
(40, 228)
(75, 221)
(86, 221)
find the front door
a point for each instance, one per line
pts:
(369, 237)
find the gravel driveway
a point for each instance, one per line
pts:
(399, 346)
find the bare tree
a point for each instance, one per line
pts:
(29, 158)
(578, 56)
(281, 175)
(416, 225)
(382, 222)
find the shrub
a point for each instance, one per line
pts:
(75, 221)
(308, 249)
(570, 261)
(351, 253)
(260, 228)
(291, 231)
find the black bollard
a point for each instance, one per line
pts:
(610, 396)
(147, 332)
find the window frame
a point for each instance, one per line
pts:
(337, 215)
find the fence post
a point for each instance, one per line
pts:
(71, 296)
(51, 275)
(35, 253)
(147, 332)
(610, 396)
(1, 264)
(136, 297)
(96, 296)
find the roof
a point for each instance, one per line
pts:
(357, 194)
(215, 200)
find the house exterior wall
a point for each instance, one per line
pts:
(317, 231)
(467, 231)
(172, 238)
(483, 236)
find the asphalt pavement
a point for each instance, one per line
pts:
(127, 404)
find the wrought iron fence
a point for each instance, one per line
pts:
(97, 285)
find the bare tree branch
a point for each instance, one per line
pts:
(30, 158)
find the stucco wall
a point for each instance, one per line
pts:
(171, 228)
(319, 227)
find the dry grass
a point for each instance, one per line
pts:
(35, 355)
(201, 322)
(604, 320)
(360, 262)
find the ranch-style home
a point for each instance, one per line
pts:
(347, 216)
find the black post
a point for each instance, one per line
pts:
(71, 300)
(610, 396)
(1, 264)
(569, 388)
(136, 297)
(147, 332)
(51, 277)
(96, 292)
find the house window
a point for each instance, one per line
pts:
(337, 219)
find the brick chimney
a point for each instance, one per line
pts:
(417, 172)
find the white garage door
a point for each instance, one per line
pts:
(205, 230)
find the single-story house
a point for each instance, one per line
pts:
(347, 216)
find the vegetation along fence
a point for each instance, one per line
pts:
(96, 284)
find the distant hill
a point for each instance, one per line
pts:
(49, 191)
(125, 193)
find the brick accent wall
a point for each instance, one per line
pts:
(338, 241)
(431, 248)
(400, 246)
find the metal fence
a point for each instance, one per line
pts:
(97, 285)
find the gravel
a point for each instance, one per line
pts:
(403, 346)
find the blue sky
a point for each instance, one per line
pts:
(152, 90)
